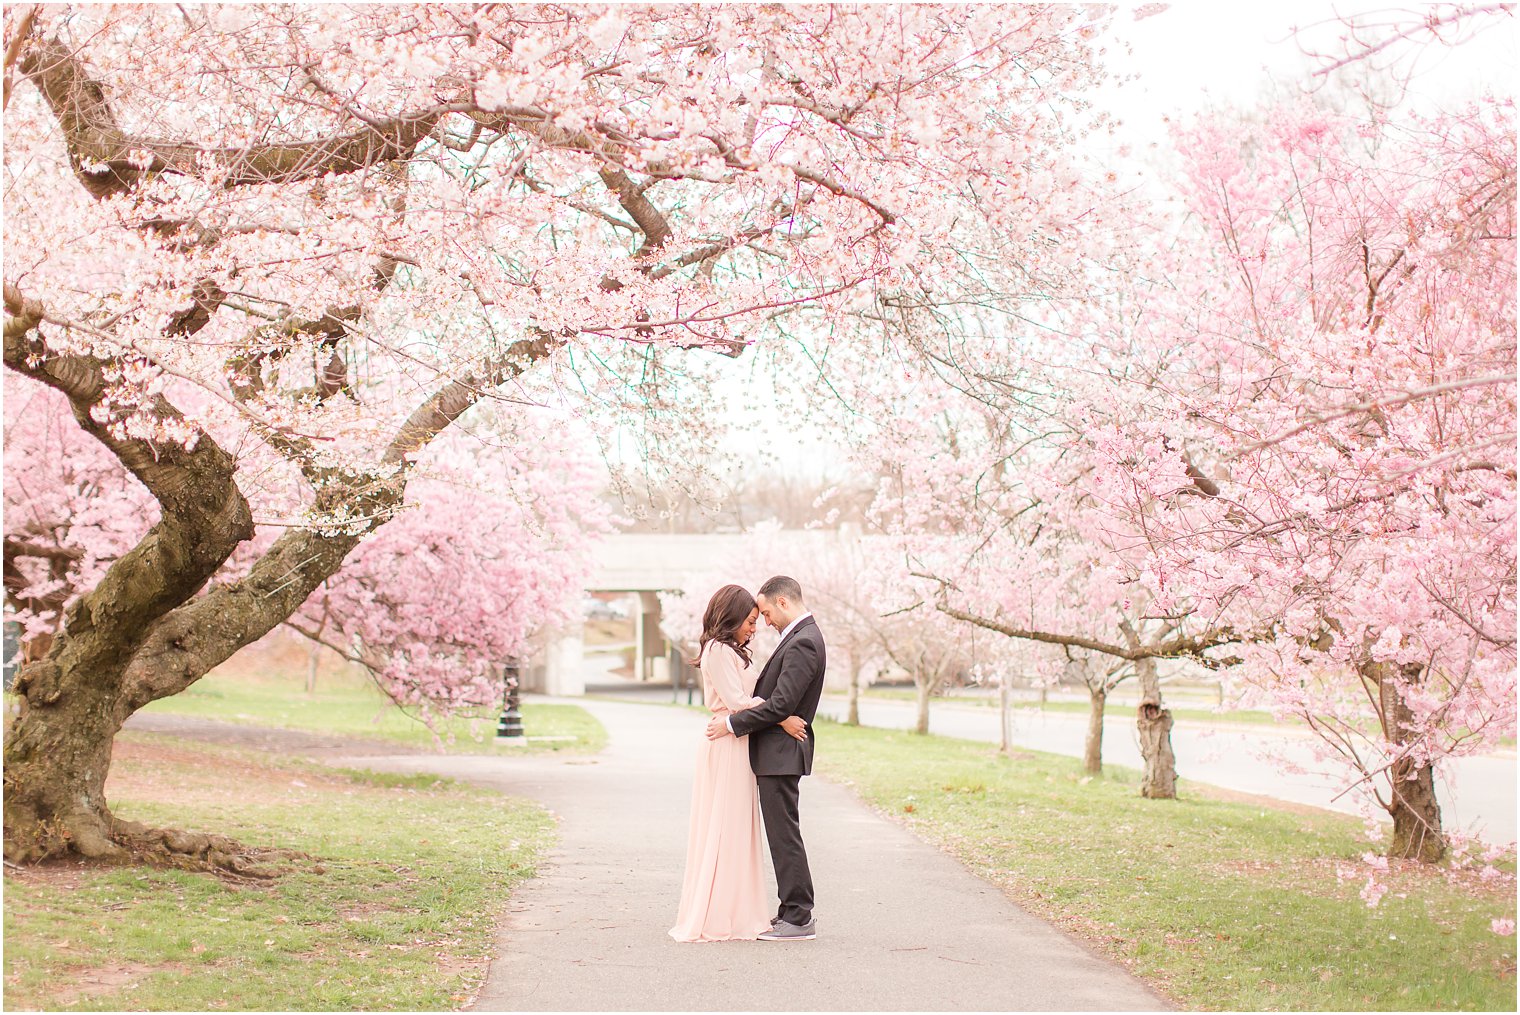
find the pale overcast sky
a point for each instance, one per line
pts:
(1193, 55)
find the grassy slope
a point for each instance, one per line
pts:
(1223, 905)
(395, 909)
(344, 704)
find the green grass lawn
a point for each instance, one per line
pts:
(344, 704)
(1222, 905)
(395, 908)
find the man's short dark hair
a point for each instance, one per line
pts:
(781, 585)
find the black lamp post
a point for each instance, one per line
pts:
(511, 724)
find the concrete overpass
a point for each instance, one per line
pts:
(662, 561)
(643, 565)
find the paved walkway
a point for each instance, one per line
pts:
(902, 927)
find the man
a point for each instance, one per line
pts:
(791, 684)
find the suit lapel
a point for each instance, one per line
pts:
(775, 659)
(765, 674)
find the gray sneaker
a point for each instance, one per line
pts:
(783, 931)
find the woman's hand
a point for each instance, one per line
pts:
(721, 709)
(796, 726)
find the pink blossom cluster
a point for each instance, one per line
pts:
(485, 562)
(776, 160)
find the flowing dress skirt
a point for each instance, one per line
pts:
(723, 895)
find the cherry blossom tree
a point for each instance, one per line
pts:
(1000, 519)
(1345, 380)
(1278, 439)
(70, 511)
(1292, 456)
(291, 246)
(830, 566)
(838, 570)
(1040, 582)
(1100, 674)
(865, 601)
(923, 643)
(858, 584)
(492, 547)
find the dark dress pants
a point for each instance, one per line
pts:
(794, 882)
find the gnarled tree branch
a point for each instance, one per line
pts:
(193, 638)
(109, 161)
(204, 515)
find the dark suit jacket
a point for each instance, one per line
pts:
(791, 684)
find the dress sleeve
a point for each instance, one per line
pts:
(800, 669)
(721, 668)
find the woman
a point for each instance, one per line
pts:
(723, 896)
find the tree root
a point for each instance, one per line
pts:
(133, 843)
(197, 851)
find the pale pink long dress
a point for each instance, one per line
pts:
(723, 895)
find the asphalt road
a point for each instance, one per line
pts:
(1477, 794)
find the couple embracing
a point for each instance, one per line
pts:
(758, 747)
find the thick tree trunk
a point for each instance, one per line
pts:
(1153, 723)
(56, 759)
(1092, 749)
(144, 632)
(921, 723)
(58, 751)
(852, 716)
(59, 748)
(1005, 717)
(1416, 813)
(1159, 780)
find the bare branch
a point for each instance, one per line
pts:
(1403, 398)
(1428, 23)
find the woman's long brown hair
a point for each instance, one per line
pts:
(727, 611)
